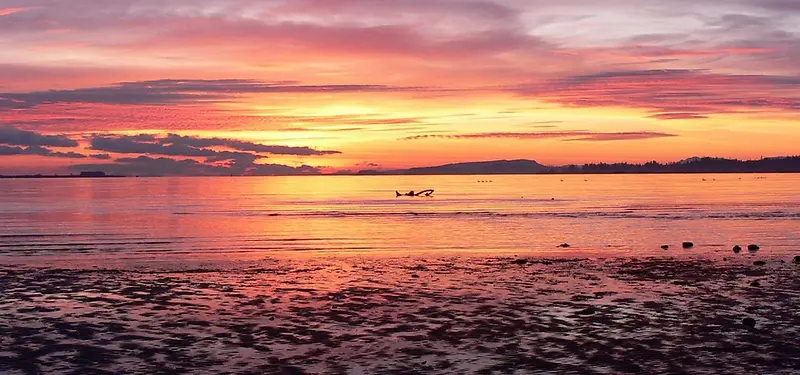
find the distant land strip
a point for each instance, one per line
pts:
(81, 175)
(34, 176)
(790, 164)
(786, 164)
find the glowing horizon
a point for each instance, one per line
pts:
(311, 85)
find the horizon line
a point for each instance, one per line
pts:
(554, 170)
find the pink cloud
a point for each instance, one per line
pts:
(482, 46)
(10, 11)
(672, 94)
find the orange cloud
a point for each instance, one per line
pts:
(359, 75)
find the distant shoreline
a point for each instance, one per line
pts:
(36, 177)
(23, 177)
(558, 173)
(694, 165)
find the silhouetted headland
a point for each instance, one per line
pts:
(789, 164)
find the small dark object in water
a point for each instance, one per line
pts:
(427, 193)
(415, 276)
(753, 248)
(760, 263)
(737, 249)
(688, 245)
(797, 259)
(564, 245)
(750, 322)
(521, 262)
(755, 284)
(665, 247)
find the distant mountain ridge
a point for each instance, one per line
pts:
(784, 164)
(481, 167)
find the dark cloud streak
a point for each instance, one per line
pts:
(17, 137)
(577, 135)
(38, 151)
(243, 146)
(148, 166)
(174, 92)
(130, 145)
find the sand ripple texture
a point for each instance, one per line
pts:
(456, 315)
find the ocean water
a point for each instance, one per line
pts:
(221, 218)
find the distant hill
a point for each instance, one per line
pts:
(484, 167)
(692, 165)
(790, 164)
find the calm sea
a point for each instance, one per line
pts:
(151, 219)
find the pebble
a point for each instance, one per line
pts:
(688, 245)
(665, 247)
(750, 322)
(760, 263)
(587, 311)
(753, 248)
(737, 249)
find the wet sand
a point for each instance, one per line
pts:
(418, 315)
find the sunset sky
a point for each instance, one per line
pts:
(308, 86)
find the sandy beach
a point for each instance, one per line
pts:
(410, 315)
